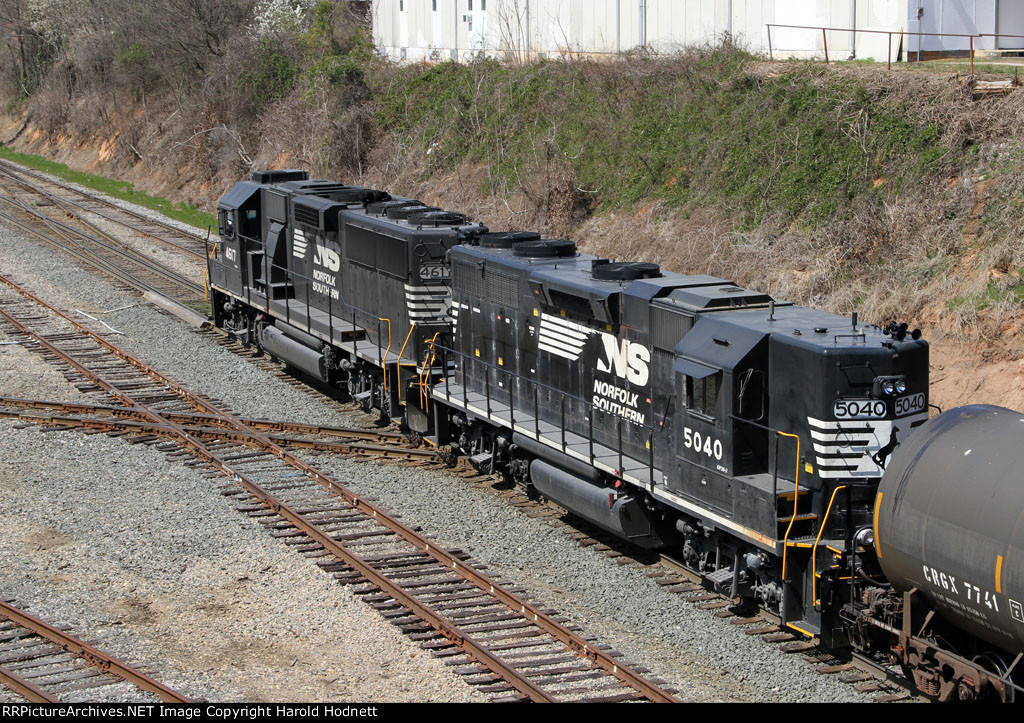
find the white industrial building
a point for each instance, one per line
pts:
(438, 30)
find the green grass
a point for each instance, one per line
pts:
(118, 189)
(1010, 292)
(1010, 68)
(693, 131)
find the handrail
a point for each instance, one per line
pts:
(332, 304)
(384, 361)
(428, 364)
(292, 275)
(890, 33)
(796, 498)
(617, 444)
(407, 338)
(210, 253)
(401, 353)
(814, 551)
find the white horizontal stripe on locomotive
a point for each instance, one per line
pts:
(299, 244)
(570, 328)
(549, 344)
(428, 303)
(561, 340)
(558, 352)
(847, 450)
(562, 337)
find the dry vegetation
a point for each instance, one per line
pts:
(843, 187)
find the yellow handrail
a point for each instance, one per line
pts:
(428, 363)
(796, 498)
(400, 355)
(407, 338)
(384, 363)
(814, 552)
(206, 272)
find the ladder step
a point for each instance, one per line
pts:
(719, 576)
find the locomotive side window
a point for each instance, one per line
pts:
(227, 223)
(251, 223)
(702, 394)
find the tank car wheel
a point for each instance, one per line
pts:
(993, 663)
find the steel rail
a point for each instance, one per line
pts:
(467, 643)
(69, 233)
(23, 688)
(111, 244)
(186, 419)
(14, 170)
(96, 658)
(77, 211)
(535, 615)
(215, 433)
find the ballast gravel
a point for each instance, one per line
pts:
(146, 558)
(705, 658)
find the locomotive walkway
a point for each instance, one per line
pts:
(509, 647)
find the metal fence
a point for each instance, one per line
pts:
(890, 33)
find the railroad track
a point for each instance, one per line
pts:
(44, 664)
(865, 675)
(499, 640)
(118, 421)
(66, 226)
(61, 195)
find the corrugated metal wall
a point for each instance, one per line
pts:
(436, 30)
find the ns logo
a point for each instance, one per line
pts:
(626, 359)
(327, 258)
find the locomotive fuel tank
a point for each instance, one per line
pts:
(950, 520)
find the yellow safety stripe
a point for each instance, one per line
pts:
(878, 542)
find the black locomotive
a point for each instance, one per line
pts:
(748, 436)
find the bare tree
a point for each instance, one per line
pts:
(514, 30)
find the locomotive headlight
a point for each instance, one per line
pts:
(889, 386)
